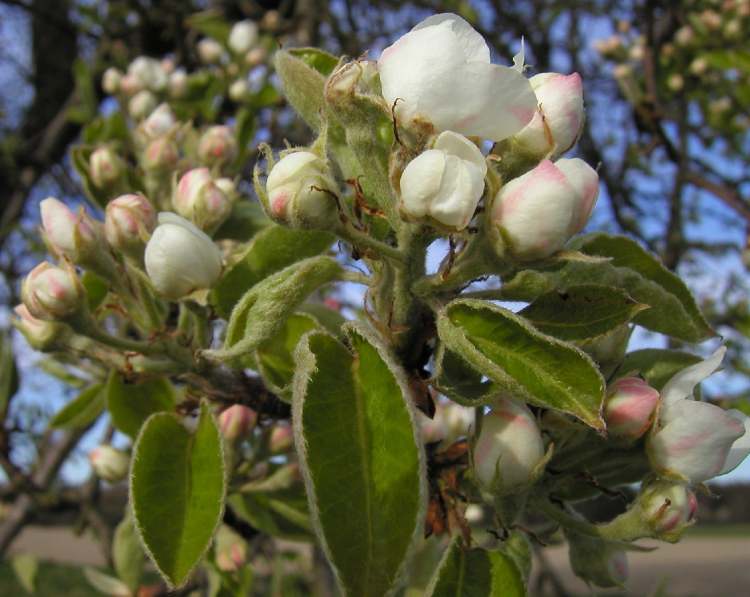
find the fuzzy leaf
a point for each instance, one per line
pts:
(130, 404)
(303, 81)
(177, 489)
(530, 365)
(455, 378)
(362, 462)
(106, 584)
(82, 410)
(281, 514)
(127, 553)
(25, 567)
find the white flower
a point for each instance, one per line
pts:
(694, 440)
(141, 104)
(160, 121)
(444, 183)
(239, 90)
(181, 258)
(538, 212)
(440, 72)
(243, 36)
(209, 51)
(149, 73)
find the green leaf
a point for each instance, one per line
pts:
(455, 378)
(96, 289)
(530, 365)
(106, 584)
(321, 61)
(25, 567)
(362, 462)
(270, 251)
(246, 220)
(106, 128)
(210, 23)
(177, 489)
(303, 82)
(245, 129)
(83, 410)
(281, 514)
(630, 267)
(581, 312)
(476, 573)
(127, 553)
(8, 373)
(85, 107)
(656, 365)
(130, 404)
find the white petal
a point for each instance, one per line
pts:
(696, 441)
(584, 179)
(682, 384)
(458, 145)
(474, 46)
(460, 191)
(520, 58)
(421, 181)
(741, 447)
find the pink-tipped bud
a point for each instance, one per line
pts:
(109, 463)
(230, 550)
(629, 408)
(198, 198)
(236, 422)
(51, 293)
(281, 439)
(256, 56)
(668, 508)
(130, 85)
(72, 235)
(161, 155)
(159, 122)
(128, 224)
(149, 73)
(105, 167)
(217, 146)
(40, 334)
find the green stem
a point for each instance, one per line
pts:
(362, 240)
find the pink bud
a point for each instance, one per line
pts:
(105, 167)
(71, 235)
(161, 154)
(217, 146)
(230, 550)
(281, 439)
(667, 508)
(40, 334)
(160, 121)
(629, 408)
(109, 463)
(236, 421)
(51, 293)
(199, 199)
(128, 223)
(130, 85)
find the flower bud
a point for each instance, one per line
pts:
(236, 421)
(178, 81)
(159, 122)
(676, 82)
(72, 235)
(198, 198)
(239, 90)
(230, 550)
(50, 293)
(40, 334)
(445, 183)
(180, 258)
(243, 36)
(558, 121)
(209, 51)
(111, 80)
(161, 155)
(227, 186)
(509, 450)
(141, 104)
(149, 73)
(603, 563)
(629, 408)
(109, 463)
(301, 192)
(128, 223)
(684, 35)
(256, 56)
(699, 66)
(449, 422)
(129, 85)
(105, 167)
(667, 508)
(167, 65)
(217, 146)
(282, 438)
(535, 214)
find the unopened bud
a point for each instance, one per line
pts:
(111, 80)
(128, 224)
(141, 104)
(711, 19)
(230, 550)
(209, 51)
(684, 36)
(109, 463)
(149, 73)
(217, 146)
(256, 56)
(40, 334)
(629, 408)
(509, 451)
(105, 167)
(667, 508)
(178, 81)
(51, 293)
(300, 192)
(243, 36)
(699, 66)
(72, 235)
(227, 186)
(676, 82)
(159, 122)
(167, 65)
(236, 421)
(198, 198)
(282, 438)
(180, 258)
(239, 90)
(161, 155)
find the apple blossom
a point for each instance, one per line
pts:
(209, 51)
(149, 73)
(109, 463)
(217, 146)
(667, 508)
(105, 167)
(509, 449)
(558, 121)
(243, 36)
(198, 198)
(51, 293)
(299, 189)
(141, 104)
(236, 421)
(227, 186)
(73, 235)
(449, 422)
(239, 90)
(693, 440)
(180, 258)
(130, 85)
(256, 56)
(160, 121)
(178, 81)
(160, 154)
(128, 223)
(444, 183)
(441, 72)
(111, 80)
(629, 408)
(538, 212)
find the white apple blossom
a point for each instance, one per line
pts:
(441, 72)
(149, 73)
(243, 36)
(695, 440)
(444, 183)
